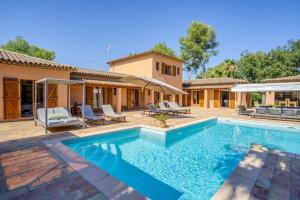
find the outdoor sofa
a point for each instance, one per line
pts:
(57, 117)
(279, 113)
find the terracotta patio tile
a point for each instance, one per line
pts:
(89, 190)
(13, 193)
(276, 193)
(98, 196)
(260, 192)
(263, 182)
(281, 179)
(295, 193)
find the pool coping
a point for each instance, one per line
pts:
(116, 189)
(239, 185)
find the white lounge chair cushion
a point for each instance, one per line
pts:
(69, 120)
(94, 118)
(109, 112)
(89, 114)
(41, 113)
(54, 122)
(174, 105)
(58, 116)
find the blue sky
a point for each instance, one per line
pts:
(78, 30)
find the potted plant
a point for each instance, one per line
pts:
(162, 118)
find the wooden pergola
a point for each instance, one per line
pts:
(46, 82)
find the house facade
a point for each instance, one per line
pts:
(214, 93)
(154, 65)
(283, 98)
(19, 72)
(17, 76)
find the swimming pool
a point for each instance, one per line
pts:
(190, 162)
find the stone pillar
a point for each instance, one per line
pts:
(206, 99)
(173, 97)
(152, 96)
(119, 100)
(180, 99)
(161, 97)
(270, 98)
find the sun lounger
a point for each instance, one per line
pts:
(173, 105)
(154, 111)
(90, 115)
(110, 113)
(244, 111)
(163, 107)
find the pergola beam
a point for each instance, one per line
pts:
(46, 82)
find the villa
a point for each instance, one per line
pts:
(210, 152)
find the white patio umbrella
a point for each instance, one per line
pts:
(152, 84)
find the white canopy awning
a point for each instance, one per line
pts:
(264, 87)
(153, 84)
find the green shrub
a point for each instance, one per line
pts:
(162, 117)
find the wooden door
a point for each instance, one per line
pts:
(231, 100)
(189, 98)
(201, 98)
(136, 98)
(52, 96)
(109, 96)
(129, 98)
(11, 98)
(216, 98)
(89, 96)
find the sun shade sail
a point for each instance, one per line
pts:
(153, 84)
(264, 87)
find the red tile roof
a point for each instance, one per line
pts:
(138, 55)
(12, 58)
(211, 82)
(283, 79)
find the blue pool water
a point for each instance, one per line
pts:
(187, 163)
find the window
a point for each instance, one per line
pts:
(196, 97)
(97, 97)
(168, 70)
(178, 71)
(174, 70)
(157, 66)
(114, 91)
(224, 99)
(149, 92)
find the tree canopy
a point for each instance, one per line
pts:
(20, 45)
(198, 46)
(254, 67)
(225, 69)
(164, 49)
(279, 62)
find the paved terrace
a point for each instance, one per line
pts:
(30, 170)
